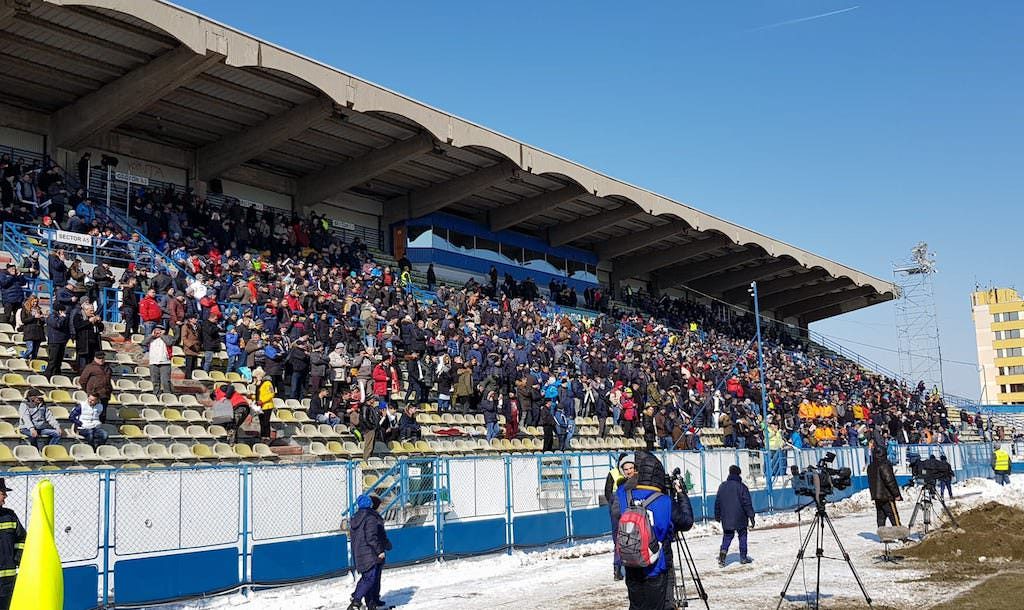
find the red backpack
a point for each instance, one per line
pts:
(634, 538)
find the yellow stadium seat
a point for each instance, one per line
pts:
(7, 430)
(14, 380)
(56, 454)
(131, 431)
(6, 457)
(202, 452)
(244, 451)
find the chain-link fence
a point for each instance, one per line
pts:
(225, 526)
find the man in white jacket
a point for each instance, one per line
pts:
(89, 424)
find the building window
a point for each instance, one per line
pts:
(1009, 352)
(1011, 370)
(1011, 316)
(1013, 388)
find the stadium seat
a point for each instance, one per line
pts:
(263, 451)
(202, 452)
(169, 400)
(198, 432)
(149, 400)
(63, 382)
(132, 431)
(244, 451)
(181, 452)
(27, 454)
(152, 415)
(6, 457)
(60, 412)
(326, 431)
(133, 452)
(173, 415)
(8, 431)
(145, 385)
(225, 452)
(61, 397)
(319, 449)
(200, 375)
(109, 453)
(84, 453)
(217, 431)
(155, 432)
(11, 395)
(177, 432)
(56, 454)
(14, 380)
(129, 414)
(306, 431)
(127, 399)
(188, 400)
(192, 416)
(126, 385)
(38, 381)
(300, 417)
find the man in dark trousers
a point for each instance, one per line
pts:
(650, 587)
(617, 476)
(58, 333)
(369, 545)
(12, 543)
(734, 510)
(884, 488)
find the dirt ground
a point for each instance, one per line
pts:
(987, 547)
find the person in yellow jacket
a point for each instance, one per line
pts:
(12, 543)
(263, 399)
(1001, 465)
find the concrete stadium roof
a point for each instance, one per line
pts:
(156, 81)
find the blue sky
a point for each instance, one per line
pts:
(853, 135)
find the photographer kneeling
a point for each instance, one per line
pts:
(653, 509)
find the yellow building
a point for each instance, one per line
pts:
(999, 328)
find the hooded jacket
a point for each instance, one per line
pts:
(369, 538)
(650, 479)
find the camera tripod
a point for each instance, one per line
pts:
(683, 555)
(925, 498)
(817, 529)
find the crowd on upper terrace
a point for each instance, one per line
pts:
(319, 318)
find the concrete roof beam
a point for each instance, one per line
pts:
(117, 101)
(695, 271)
(652, 261)
(326, 183)
(630, 243)
(562, 234)
(835, 298)
(235, 149)
(781, 299)
(436, 197)
(718, 285)
(508, 216)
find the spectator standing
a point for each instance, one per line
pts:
(264, 400)
(88, 330)
(159, 349)
(1001, 465)
(58, 333)
(36, 421)
(150, 312)
(96, 379)
(30, 322)
(190, 343)
(370, 545)
(946, 478)
(734, 509)
(12, 292)
(884, 489)
(209, 337)
(130, 307)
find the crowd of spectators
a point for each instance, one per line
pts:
(312, 316)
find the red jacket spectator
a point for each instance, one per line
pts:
(149, 309)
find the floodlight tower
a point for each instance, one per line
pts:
(917, 324)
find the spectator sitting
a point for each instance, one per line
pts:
(408, 428)
(37, 421)
(320, 409)
(86, 419)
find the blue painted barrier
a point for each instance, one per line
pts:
(80, 584)
(412, 544)
(591, 522)
(162, 578)
(539, 530)
(474, 537)
(294, 560)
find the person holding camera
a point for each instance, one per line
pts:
(734, 509)
(884, 488)
(653, 508)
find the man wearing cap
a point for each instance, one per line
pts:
(625, 470)
(97, 379)
(369, 547)
(36, 421)
(12, 543)
(734, 509)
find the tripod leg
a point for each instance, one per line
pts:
(799, 557)
(694, 574)
(819, 553)
(949, 513)
(680, 587)
(913, 515)
(846, 557)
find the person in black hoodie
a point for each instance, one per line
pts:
(58, 333)
(370, 545)
(884, 489)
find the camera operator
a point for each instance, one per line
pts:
(650, 587)
(884, 488)
(945, 478)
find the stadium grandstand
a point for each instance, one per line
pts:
(234, 267)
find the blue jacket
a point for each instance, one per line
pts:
(85, 212)
(661, 511)
(733, 507)
(231, 342)
(12, 287)
(369, 538)
(490, 411)
(797, 439)
(58, 270)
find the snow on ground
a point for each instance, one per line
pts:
(579, 577)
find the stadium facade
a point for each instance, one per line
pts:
(181, 99)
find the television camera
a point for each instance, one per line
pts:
(820, 481)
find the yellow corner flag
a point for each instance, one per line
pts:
(40, 584)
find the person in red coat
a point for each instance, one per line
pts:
(150, 312)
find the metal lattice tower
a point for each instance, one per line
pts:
(917, 324)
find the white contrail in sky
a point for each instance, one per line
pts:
(802, 19)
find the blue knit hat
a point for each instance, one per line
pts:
(364, 501)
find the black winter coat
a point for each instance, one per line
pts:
(209, 336)
(733, 506)
(58, 329)
(369, 538)
(882, 481)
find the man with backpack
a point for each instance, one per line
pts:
(733, 509)
(651, 514)
(616, 477)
